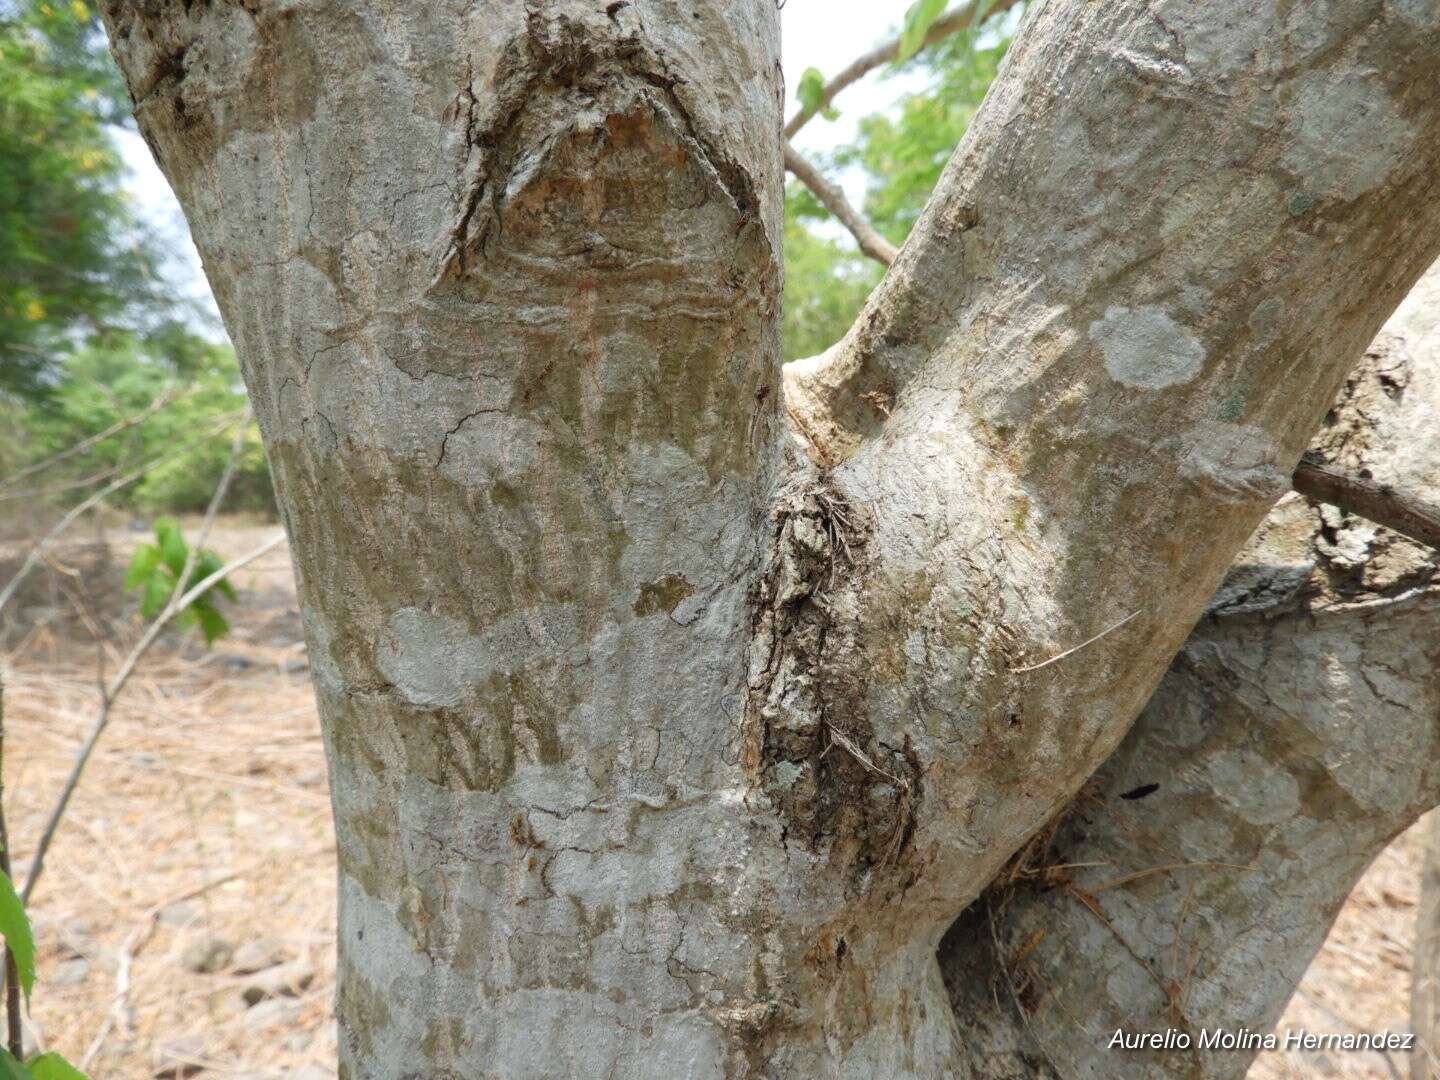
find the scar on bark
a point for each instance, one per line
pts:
(809, 745)
(555, 60)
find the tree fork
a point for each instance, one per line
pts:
(618, 736)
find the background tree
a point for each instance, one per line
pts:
(659, 746)
(91, 330)
(70, 254)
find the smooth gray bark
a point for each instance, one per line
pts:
(1296, 734)
(658, 747)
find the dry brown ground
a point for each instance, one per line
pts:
(201, 838)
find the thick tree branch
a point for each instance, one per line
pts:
(1190, 885)
(622, 724)
(952, 22)
(1380, 503)
(1086, 421)
(834, 200)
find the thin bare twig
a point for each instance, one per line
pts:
(180, 599)
(1071, 651)
(136, 940)
(951, 22)
(834, 200)
(164, 398)
(1380, 503)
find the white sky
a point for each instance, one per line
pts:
(826, 34)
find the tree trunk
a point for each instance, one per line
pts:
(658, 747)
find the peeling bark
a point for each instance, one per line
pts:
(658, 747)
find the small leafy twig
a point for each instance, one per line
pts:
(13, 1037)
(961, 18)
(180, 599)
(43, 545)
(117, 684)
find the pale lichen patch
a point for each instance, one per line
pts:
(1147, 349)
(430, 659)
(1261, 792)
(1345, 134)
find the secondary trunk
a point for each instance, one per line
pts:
(1189, 886)
(658, 750)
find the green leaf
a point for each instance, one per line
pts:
(206, 565)
(10, 1069)
(15, 926)
(173, 548)
(52, 1066)
(157, 590)
(811, 89)
(212, 623)
(919, 17)
(142, 565)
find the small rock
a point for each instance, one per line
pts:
(312, 780)
(236, 662)
(178, 914)
(257, 955)
(207, 955)
(275, 1013)
(288, 980)
(180, 1058)
(69, 972)
(295, 667)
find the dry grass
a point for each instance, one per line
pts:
(205, 817)
(212, 771)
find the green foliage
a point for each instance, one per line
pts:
(70, 256)
(155, 571)
(904, 153)
(49, 1066)
(116, 376)
(15, 928)
(811, 93)
(52, 1066)
(919, 17)
(901, 155)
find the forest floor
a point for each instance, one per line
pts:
(185, 918)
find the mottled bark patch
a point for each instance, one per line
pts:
(663, 595)
(809, 745)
